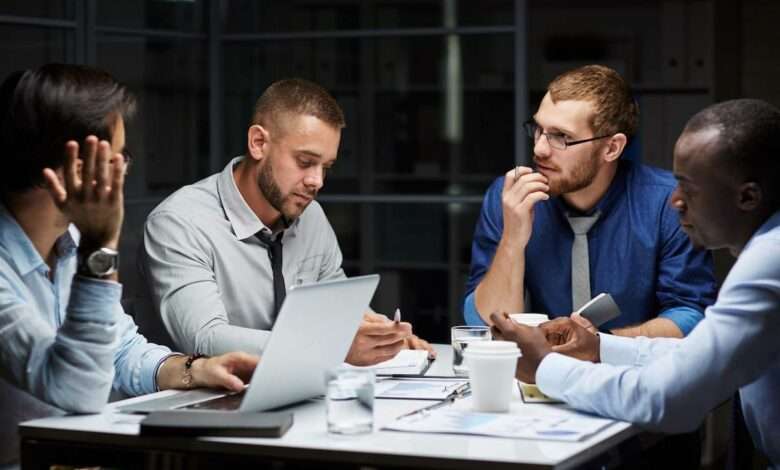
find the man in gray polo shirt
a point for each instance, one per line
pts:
(210, 247)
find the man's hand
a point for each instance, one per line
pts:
(413, 342)
(91, 195)
(378, 339)
(531, 341)
(230, 371)
(523, 188)
(567, 336)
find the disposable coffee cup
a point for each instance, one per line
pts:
(491, 374)
(529, 319)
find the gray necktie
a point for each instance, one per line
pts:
(580, 263)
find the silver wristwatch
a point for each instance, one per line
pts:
(100, 263)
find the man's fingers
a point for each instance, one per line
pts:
(88, 157)
(54, 186)
(72, 172)
(502, 322)
(103, 169)
(514, 174)
(584, 323)
(118, 179)
(385, 328)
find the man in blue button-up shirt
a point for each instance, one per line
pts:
(726, 163)
(522, 248)
(64, 339)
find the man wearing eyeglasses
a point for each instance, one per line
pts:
(585, 221)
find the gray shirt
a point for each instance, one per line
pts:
(211, 277)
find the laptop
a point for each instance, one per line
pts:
(313, 333)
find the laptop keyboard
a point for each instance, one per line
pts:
(227, 402)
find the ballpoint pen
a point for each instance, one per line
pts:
(397, 316)
(459, 392)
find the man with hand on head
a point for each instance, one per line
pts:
(727, 167)
(587, 221)
(64, 339)
(219, 254)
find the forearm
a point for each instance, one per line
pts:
(655, 328)
(71, 368)
(501, 290)
(220, 338)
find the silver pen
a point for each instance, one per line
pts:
(459, 392)
(397, 316)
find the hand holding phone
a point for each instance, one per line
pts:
(600, 309)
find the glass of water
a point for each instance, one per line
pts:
(350, 400)
(461, 337)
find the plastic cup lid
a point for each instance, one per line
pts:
(492, 348)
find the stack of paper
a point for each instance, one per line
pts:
(407, 361)
(557, 427)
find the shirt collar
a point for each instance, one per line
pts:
(608, 200)
(21, 251)
(242, 218)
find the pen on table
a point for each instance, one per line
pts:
(460, 392)
(397, 316)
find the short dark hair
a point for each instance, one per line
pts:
(750, 140)
(616, 110)
(297, 96)
(41, 110)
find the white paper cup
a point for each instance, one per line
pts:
(492, 367)
(530, 319)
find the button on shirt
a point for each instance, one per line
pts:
(637, 251)
(210, 275)
(670, 384)
(63, 342)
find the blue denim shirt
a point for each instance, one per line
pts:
(638, 253)
(65, 341)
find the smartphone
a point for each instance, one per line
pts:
(600, 309)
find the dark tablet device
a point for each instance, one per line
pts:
(216, 423)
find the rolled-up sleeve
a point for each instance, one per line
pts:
(72, 367)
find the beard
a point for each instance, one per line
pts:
(582, 174)
(274, 195)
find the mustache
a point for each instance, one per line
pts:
(536, 164)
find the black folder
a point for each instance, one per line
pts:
(216, 423)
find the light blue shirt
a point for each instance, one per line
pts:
(670, 385)
(65, 341)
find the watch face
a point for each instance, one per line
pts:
(102, 262)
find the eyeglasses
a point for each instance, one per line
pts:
(556, 141)
(127, 156)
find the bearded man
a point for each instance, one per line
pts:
(586, 221)
(220, 253)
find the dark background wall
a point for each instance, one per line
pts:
(434, 92)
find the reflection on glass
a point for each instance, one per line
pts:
(59, 9)
(26, 47)
(168, 134)
(153, 14)
(251, 16)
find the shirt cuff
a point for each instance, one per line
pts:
(552, 374)
(617, 350)
(470, 313)
(94, 300)
(686, 318)
(152, 361)
(157, 369)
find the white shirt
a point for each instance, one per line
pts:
(669, 384)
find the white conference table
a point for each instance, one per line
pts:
(111, 438)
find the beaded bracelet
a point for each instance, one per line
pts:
(187, 378)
